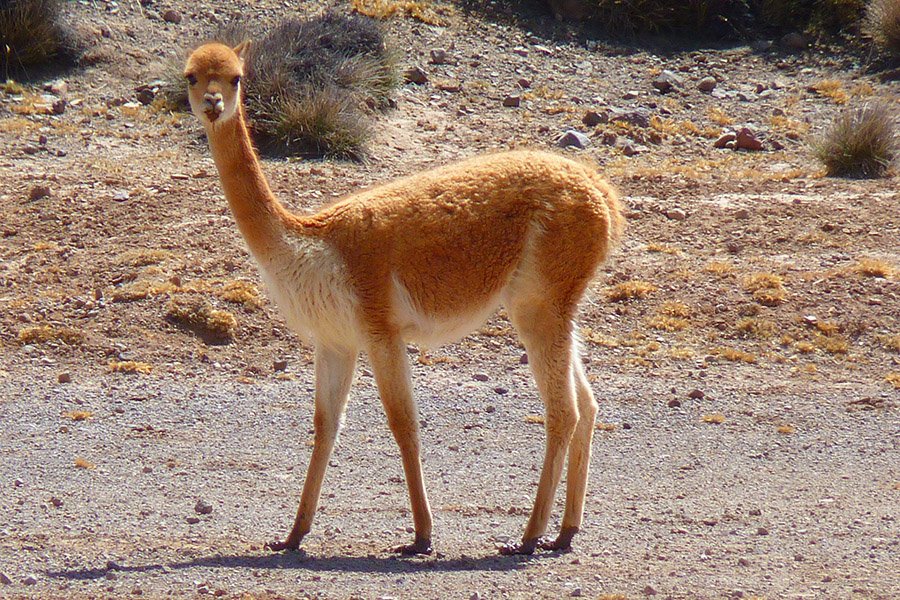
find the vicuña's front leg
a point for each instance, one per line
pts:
(334, 374)
(391, 370)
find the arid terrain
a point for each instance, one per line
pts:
(744, 342)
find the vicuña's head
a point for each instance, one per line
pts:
(214, 72)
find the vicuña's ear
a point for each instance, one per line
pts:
(242, 49)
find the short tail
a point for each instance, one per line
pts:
(614, 206)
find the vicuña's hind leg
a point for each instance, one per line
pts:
(548, 340)
(391, 370)
(334, 375)
(579, 458)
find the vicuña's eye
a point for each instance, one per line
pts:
(236, 80)
(191, 78)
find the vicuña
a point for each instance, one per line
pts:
(425, 259)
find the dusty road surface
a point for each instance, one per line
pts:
(744, 343)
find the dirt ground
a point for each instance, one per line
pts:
(744, 342)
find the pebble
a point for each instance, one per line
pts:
(649, 591)
(512, 101)
(172, 16)
(480, 377)
(630, 95)
(280, 365)
(742, 214)
(576, 593)
(762, 531)
(696, 395)
(475, 596)
(192, 520)
(593, 118)
(674, 403)
(449, 85)
(743, 562)
(707, 84)
(137, 592)
(746, 140)
(523, 360)
(438, 56)
(18, 483)
(575, 139)
(524, 83)
(30, 580)
(38, 192)
(501, 390)
(666, 81)
(64, 377)
(639, 117)
(203, 508)
(415, 75)
(629, 148)
(56, 501)
(676, 214)
(4, 578)
(794, 41)
(490, 408)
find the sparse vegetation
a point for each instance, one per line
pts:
(130, 366)
(873, 267)
(719, 268)
(79, 415)
(882, 24)
(41, 334)
(141, 257)
(786, 429)
(426, 11)
(758, 328)
(734, 355)
(714, 418)
(196, 314)
(32, 34)
(767, 288)
(832, 344)
(893, 378)
(83, 463)
(630, 290)
(860, 143)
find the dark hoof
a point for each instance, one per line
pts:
(563, 542)
(420, 546)
(524, 548)
(279, 546)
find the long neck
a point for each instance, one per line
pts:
(258, 213)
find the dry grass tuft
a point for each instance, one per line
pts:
(130, 366)
(79, 415)
(663, 248)
(83, 463)
(240, 292)
(425, 11)
(714, 418)
(606, 426)
(893, 379)
(882, 24)
(196, 314)
(832, 344)
(612, 597)
(860, 143)
(734, 355)
(719, 268)
(33, 33)
(682, 353)
(833, 89)
(786, 429)
(40, 334)
(767, 288)
(719, 117)
(667, 323)
(535, 419)
(758, 328)
(142, 257)
(675, 309)
(630, 290)
(805, 347)
(873, 267)
(890, 342)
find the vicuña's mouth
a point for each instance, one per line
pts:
(212, 114)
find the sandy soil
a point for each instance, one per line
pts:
(749, 438)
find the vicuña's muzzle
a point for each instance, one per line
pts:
(214, 105)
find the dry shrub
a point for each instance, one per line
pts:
(141, 257)
(630, 290)
(832, 344)
(759, 328)
(890, 342)
(130, 366)
(873, 267)
(534, 419)
(310, 84)
(425, 11)
(197, 315)
(663, 248)
(767, 288)
(32, 33)
(41, 334)
(734, 355)
(893, 379)
(805, 347)
(714, 418)
(831, 88)
(786, 429)
(240, 292)
(860, 143)
(882, 24)
(675, 309)
(83, 463)
(667, 323)
(718, 268)
(606, 427)
(79, 415)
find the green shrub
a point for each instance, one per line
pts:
(860, 143)
(882, 23)
(32, 35)
(310, 85)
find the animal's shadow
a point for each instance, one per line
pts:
(302, 560)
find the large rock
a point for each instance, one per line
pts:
(575, 139)
(667, 81)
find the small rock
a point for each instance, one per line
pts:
(18, 482)
(743, 562)
(42, 140)
(512, 101)
(147, 469)
(490, 408)
(137, 592)
(626, 425)
(724, 139)
(696, 395)
(280, 365)
(707, 84)
(121, 196)
(192, 520)
(639, 117)
(799, 558)
(219, 593)
(449, 85)
(110, 576)
(480, 377)
(630, 95)
(58, 107)
(794, 41)
(145, 95)
(501, 390)
(630, 149)
(827, 579)
(30, 580)
(524, 83)
(105, 32)
(743, 213)
(761, 45)
(4, 578)
(520, 51)
(29, 149)
(438, 56)
(172, 16)
(523, 360)
(778, 112)
(733, 247)
(674, 403)
(56, 501)
(593, 118)
(576, 593)
(57, 88)
(762, 531)
(475, 596)
(746, 140)
(755, 512)
(575, 139)
(415, 75)
(38, 192)
(676, 214)
(710, 522)
(64, 377)
(666, 81)
(202, 508)
(649, 591)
